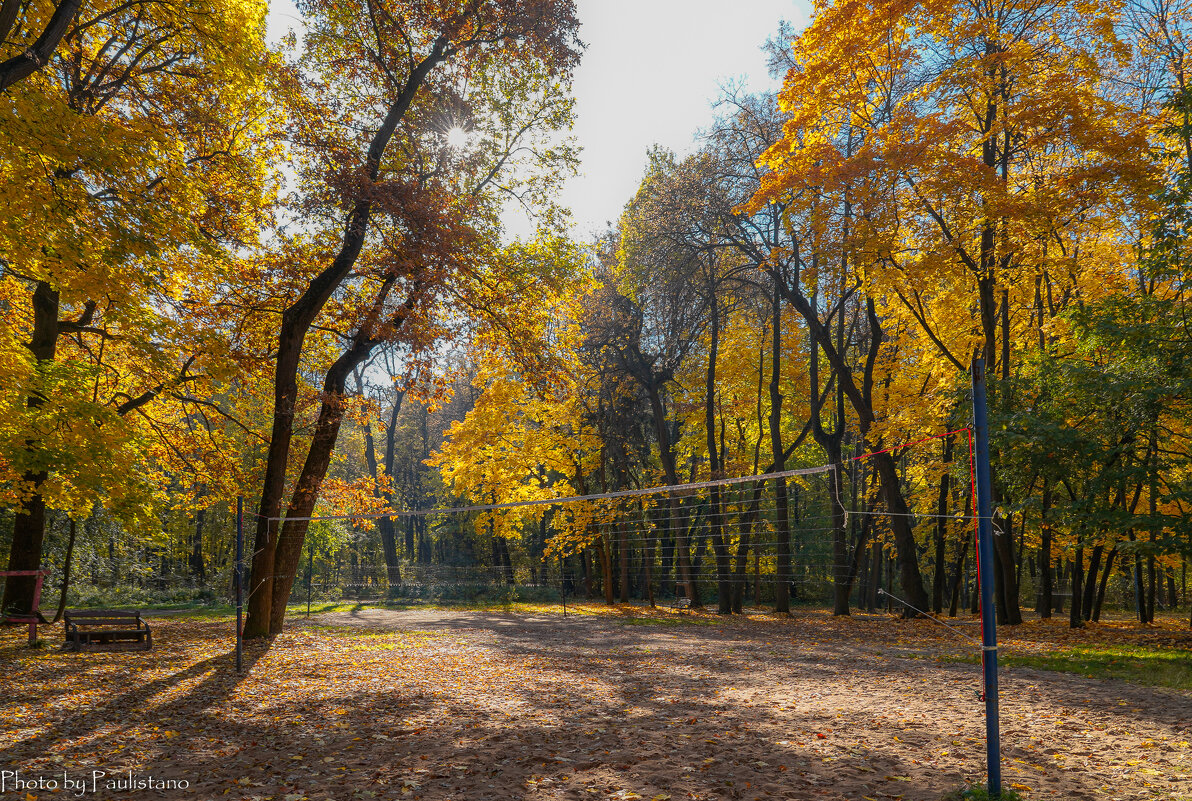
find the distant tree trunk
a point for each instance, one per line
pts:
(70, 543)
(386, 526)
(676, 510)
(1101, 587)
(1046, 602)
(507, 560)
(1136, 575)
(1075, 614)
(781, 512)
(197, 569)
(938, 579)
(724, 582)
(958, 576)
(623, 561)
(1153, 509)
(841, 573)
(1090, 581)
(606, 571)
(648, 558)
(875, 577)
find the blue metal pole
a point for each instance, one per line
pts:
(985, 571)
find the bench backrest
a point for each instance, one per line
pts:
(101, 617)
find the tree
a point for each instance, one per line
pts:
(121, 191)
(414, 228)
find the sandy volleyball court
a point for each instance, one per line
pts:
(502, 705)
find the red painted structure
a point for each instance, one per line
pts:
(32, 619)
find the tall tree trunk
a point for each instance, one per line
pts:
(724, 585)
(904, 536)
(861, 398)
(958, 577)
(941, 531)
(386, 526)
(676, 510)
(1009, 611)
(197, 568)
(1101, 587)
(832, 442)
(623, 561)
(1090, 581)
(1076, 614)
(1046, 602)
(70, 543)
(649, 557)
(29, 523)
(781, 512)
(288, 548)
(296, 321)
(744, 541)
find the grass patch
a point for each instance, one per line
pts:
(1154, 667)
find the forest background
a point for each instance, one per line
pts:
(280, 272)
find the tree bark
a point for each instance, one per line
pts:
(860, 397)
(676, 509)
(1047, 601)
(70, 543)
(295, 324)
(1090, 582)
(288, 549)
(386, 526)
(958, 577)
(197, 567)
(939, 579)
(29, 523)
(1075, 613)
(1104, 580)
(724, 582)
(24, 64)
(781, 512)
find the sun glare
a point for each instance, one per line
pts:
(457, 137)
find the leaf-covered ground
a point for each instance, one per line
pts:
(440, 704)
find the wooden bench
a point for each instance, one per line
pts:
(106, 630)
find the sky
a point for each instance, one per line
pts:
(650, 75)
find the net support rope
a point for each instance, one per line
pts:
(673, 489)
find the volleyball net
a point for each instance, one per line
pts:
(798, 534)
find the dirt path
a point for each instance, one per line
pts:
(472, 706)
